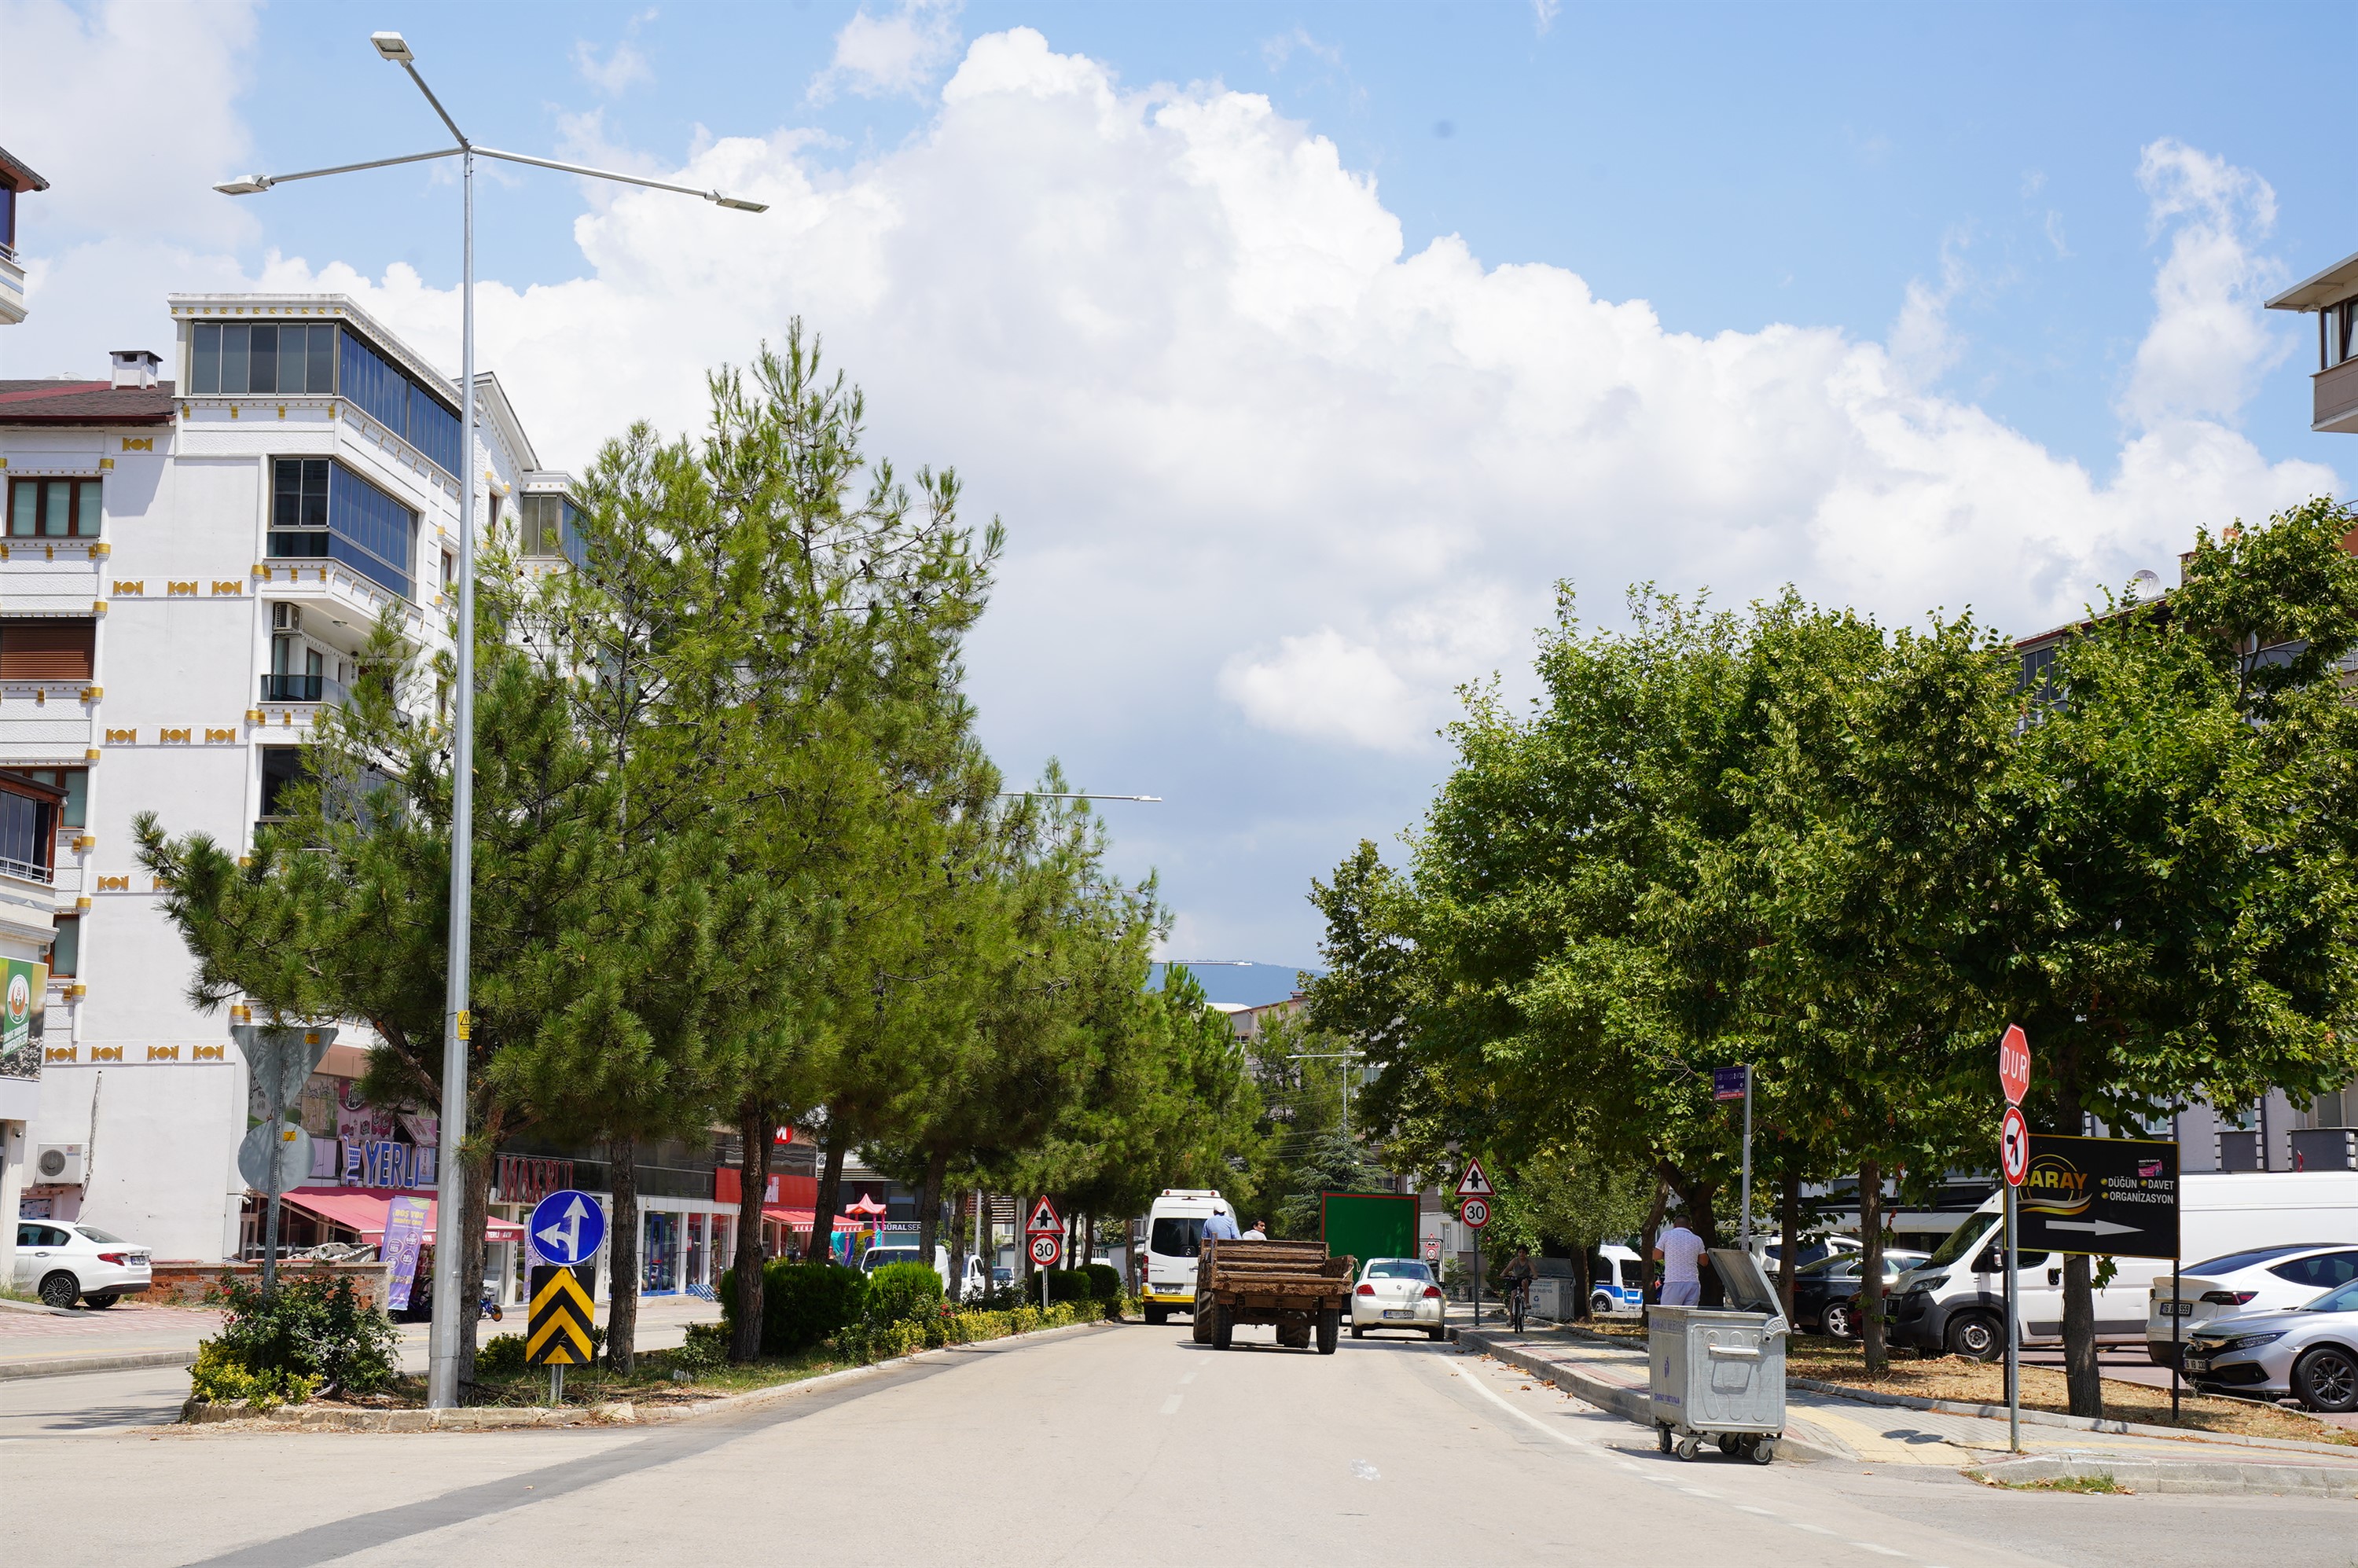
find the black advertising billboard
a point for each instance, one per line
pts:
(2113, 1196)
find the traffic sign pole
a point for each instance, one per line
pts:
(1743, 1228)
(2013, 1345)
(2014, 1163)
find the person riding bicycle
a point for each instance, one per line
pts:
(1517, 1275)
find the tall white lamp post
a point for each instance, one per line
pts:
(445, 1373)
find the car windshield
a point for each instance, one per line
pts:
(884, 1255)
(1961, 1240)
(1398, 1269)
(95, 1234)
(2235, 1262)
(1175, 1237)
(2344, 1299)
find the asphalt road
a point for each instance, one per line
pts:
(1109, 1446)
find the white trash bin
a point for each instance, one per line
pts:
(1719, 1373)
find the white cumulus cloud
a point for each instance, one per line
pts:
(897, 53)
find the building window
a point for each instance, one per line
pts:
(282, 358)
(28, 834)
(449, 570)
(321, 510)
(53, 508)
(73, 783)
(282, 769)
(46, 648)
(65, 949)
(549, 528)
(7, 220)
(390, 397)
(298, 672)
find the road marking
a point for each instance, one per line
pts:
(1364, 1470)
(1883, 1551)
(1190, 1376)
(1170, 1405)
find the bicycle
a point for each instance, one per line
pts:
(1518, 1302)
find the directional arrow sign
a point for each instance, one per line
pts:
(1475, 1181)
(1044, 1218)
(567, 1227)
(2116, 1196)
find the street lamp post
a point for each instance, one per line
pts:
(444, 1371)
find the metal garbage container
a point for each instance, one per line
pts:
(1719, 1373)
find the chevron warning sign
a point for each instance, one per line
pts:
(557, 1333)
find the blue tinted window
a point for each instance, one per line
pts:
(385, 391)
(321, 510)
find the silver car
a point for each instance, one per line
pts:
(2309, 1352)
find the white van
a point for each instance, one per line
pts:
(1956, 1299)
(1175, 1228)
(973, 1285)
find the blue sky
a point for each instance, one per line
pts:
(1299, 378)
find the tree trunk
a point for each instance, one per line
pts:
(929, 1206)
(957, 1244)
(1646, 1234)
(1870, 1272)
(756, 1129)
(1583, 1279)
(475, 1210)
(829, 1199)
(622, 1312)
(1789, 1222)
(2081, 1381)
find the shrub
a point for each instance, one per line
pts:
(902, 1292)
(1070, 1285)
(802, 1304)
(502, 1356)
(313, 1334)
(217, 1377)
(1104, 1281)
(706, 1349)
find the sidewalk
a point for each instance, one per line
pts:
(39, 1342)
(1829, 1426)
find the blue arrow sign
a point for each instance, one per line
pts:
(568, 1227)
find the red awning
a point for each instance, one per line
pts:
(800, 1219)
(362, 1209)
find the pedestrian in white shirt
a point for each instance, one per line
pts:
(1680, 1253)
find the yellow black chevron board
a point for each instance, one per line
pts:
(557, 1332)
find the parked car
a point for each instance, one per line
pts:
(60, 1259)
(1826, 1293)
(1616, 1281)
(2309, 1352)
(2241, 1284)
(1397, 1292)
(1771, 1253)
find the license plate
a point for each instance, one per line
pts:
(2198, 1364)
(2177, 1309)
(1399, 1311)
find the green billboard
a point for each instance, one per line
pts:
(23, 992)
(1367, 1225)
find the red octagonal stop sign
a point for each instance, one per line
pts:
(2014, 1064)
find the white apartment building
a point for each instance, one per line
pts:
(195, 553)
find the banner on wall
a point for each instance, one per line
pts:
(404, 1232)
(24, 997)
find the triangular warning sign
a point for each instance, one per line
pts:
(1043, 1218)
(1475, 1181)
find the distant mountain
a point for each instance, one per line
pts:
(1248, 983)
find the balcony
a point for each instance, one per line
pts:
(11, 288)
(2336, 397)
(302, 688)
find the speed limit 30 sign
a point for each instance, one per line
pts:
(1476, 1212)
(1046, 1249)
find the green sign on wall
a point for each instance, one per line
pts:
(24, 992)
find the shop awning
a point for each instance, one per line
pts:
(362, 1209)
(800, 1219)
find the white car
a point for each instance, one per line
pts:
(1397, 1292)
(59, 1260)
(2260, 1279)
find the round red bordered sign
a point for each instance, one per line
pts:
(1476, 1212)
(2014, 1145)
(1045, 1250)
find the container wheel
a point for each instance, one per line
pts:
(1730, 1444)
(1762, 1451)
(1688, 1447)
(1663, 1433)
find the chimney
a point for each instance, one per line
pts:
(135, 369)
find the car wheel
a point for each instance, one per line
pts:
(1224, 1329)
(1438, 1334)
(1975, 1336)
(60, 1289)
(1358, 1331)
(2327, 1380)
(100, 1302)
(1157, 1314)
(1600, 1305)
(1840, 1323)
(1330, 1327)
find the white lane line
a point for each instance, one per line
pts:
(1170, 1405)
(1880, 1551)
(1190, 1376)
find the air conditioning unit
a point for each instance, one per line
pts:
(59, 1162)
(286, 618)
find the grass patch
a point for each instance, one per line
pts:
(2099, 1485)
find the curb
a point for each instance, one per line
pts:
(1629, 1404)
(496, 1418)
(66, 1365)
(2073, 1422)
(2218, 1478)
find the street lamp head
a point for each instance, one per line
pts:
(738, 202)
(393, 47)
(247, 185)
